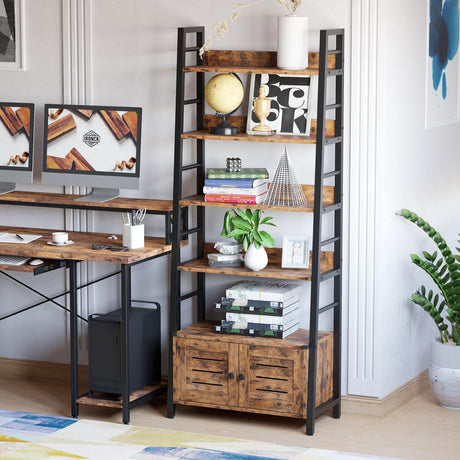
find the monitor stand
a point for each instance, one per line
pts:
(100, 195)
(6, 187)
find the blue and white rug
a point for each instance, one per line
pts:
(27, 436)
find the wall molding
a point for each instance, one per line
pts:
(77, 85)
(363, 146)
(382, 406)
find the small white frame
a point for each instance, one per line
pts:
(296, 252)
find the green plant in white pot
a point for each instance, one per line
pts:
(443, 307)
(243, 226)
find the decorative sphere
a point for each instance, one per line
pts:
(224, 93)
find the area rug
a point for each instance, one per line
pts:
(27, 436)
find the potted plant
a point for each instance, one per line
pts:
(444, 308)
(243, 226)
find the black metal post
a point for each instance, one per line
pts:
(73, 337)
(125, 310)
(317, 232)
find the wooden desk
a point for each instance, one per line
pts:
(81, 250)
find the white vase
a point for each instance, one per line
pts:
(255, 259)
(444, 373)
(292, 42)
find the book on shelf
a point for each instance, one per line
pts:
(242, 199)
(276, 334)
(218, 257)
(239, 183)
(260, 307)
(244, 173)
(261, 326)
(252, 191)
(241, 320)
(264, 290)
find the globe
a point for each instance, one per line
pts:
(224, 93)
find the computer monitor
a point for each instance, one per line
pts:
(16, 144)
(93, 146)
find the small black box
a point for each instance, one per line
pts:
(104, 349)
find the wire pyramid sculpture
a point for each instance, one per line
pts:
(285, 189)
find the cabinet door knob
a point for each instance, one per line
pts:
(231, 375)
(241, 376)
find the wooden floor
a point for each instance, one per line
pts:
(420, 429)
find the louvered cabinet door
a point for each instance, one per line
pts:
(274, 379)
(205, 372)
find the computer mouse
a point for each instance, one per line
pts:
(36, 262)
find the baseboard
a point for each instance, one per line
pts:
(39, 370)
(382, 406)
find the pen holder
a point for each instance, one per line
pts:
(133, 236)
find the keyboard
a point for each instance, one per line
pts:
(13, 260)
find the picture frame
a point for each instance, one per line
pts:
(296, 252)
(12, 54)
(290, 111)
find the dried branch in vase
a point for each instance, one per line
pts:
(220, 28)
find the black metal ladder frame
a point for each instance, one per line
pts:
(180, 216)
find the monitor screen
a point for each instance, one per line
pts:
(95, 146)
(16, 144)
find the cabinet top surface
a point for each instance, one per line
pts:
(204, 331)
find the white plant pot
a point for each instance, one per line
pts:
(292, 42)
(444, 373)
(255, 259)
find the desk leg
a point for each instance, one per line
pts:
(125, 307)
(73, 336)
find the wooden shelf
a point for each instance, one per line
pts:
(328, 199)
(117, 403)
(277, 138)
(47, 265)
(60, 200)
(253, 62)
(272, 270)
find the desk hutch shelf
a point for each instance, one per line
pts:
(303, 370)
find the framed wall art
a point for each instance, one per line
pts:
(296, 252)
(11, 35)
(290, 95)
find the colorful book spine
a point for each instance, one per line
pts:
(259, 290)
(252, 191)
(245, 173)
(239, 199)
(239, 183)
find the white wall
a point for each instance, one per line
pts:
(113, 52)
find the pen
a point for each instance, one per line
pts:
(19, 236)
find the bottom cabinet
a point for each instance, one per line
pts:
(252, 374)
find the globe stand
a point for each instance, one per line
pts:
(223, 128)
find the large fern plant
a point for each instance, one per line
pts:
(444, 270)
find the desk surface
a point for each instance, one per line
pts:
(81, 248)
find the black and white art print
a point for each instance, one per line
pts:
(10, 34)
(290, 95)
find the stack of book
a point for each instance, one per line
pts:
(263, 309)
(247, 186)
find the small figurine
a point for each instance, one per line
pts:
(262, 107)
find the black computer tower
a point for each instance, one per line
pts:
(104, 349)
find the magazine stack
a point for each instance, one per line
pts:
(262, 309)
(247, 186)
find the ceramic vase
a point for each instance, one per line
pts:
(255, 258)
(292, 42)
(444, 373)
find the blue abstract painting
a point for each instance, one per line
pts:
(443, 73)
(444, 28)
